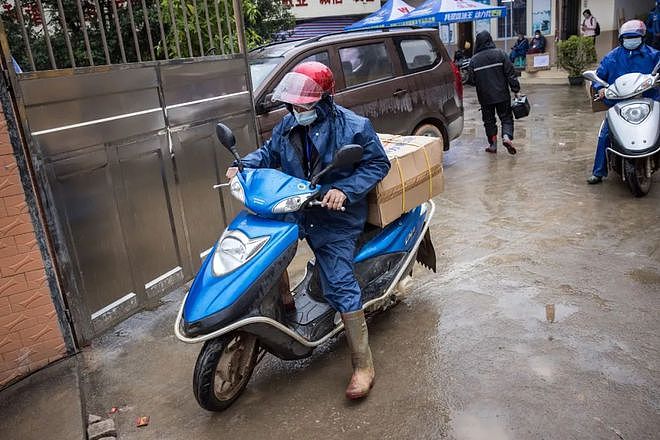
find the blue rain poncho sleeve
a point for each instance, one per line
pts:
(371, 169)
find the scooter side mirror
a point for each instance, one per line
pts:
(228, 140)
(591, 76)
(656, 69)
(345, 157)
(225, 136)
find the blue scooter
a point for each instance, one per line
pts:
(240, 303)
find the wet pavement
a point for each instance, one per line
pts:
(470, 354)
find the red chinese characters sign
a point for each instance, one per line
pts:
(304, 9)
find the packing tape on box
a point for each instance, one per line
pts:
(394, 192)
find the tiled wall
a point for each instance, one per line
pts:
(30, 336)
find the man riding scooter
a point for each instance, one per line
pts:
(304, 142)
(632, 55)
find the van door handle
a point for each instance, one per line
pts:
(399, 93)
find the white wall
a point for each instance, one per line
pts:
(612, 13)
(603, 10)
(628, 10)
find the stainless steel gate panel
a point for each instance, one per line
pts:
(196, 97)
(194, 92)
(125, 156)
(198, 168)
(99, 112)
(58, 86)
(84, 194)
(147, 214)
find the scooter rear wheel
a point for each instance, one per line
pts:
(223, 369)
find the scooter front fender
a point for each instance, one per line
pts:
(214, 301)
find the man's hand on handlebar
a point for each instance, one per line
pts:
(231, 172)
(334, 199)
(601, 93)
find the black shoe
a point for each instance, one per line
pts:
(491, 149)
(508, 145)
(594, 180)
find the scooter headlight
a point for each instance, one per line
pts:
(234, 249)
(290, 204)
(236, 189)
(635, 113)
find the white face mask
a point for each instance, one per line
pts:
(632, 43)
(306, 117)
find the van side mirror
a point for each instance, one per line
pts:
(266, 104)
(228, 140)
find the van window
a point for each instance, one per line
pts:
(418, 53)
(362, 64)
(321, 57)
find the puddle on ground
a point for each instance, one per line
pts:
(478, 423)
(520, 306)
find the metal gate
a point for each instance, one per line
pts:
(125, 153)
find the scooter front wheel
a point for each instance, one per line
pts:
(223, 369)
(638, 182)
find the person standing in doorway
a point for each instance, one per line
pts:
(494, 79)
(590, 26)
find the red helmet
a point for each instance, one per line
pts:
(306, 84)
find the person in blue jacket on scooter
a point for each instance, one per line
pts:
(302, 144)
(653, 27)
(632, 55)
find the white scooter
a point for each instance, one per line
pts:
(634, 151)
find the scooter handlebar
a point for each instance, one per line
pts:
(318, 203)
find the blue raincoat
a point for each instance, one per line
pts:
(615, 64)
(332, 235)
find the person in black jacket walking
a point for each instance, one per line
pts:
(494, 76)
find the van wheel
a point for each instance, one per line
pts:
(223, 369)
(428, 130)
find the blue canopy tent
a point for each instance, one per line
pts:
(436, 12)
(391, 10)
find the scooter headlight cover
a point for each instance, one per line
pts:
(236, 189)
(234, 250)
(635, 113)
(291, 204)
(644, 86)
(611, 94)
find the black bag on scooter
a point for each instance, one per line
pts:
(520, 107)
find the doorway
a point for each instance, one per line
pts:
(465, 33)
(570, 18)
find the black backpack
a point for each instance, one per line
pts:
(597, 30)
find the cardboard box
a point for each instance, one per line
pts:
(538, 61)
(415, 177)
(596, 106)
